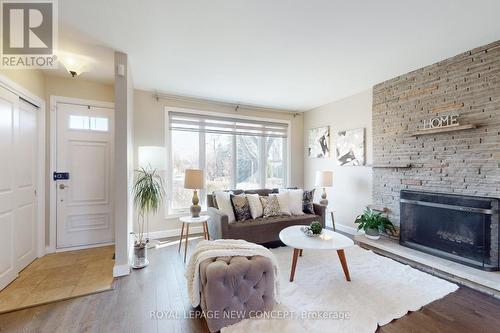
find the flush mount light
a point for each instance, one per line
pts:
(75, 64)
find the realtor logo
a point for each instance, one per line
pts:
(29, 34)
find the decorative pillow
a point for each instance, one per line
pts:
(307, 202)
(271, 206)
(283, 201)
(214, 200)
(295, 198)
(224, 203)
(241, 207)
(256, 209)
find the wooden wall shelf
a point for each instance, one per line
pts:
(443, 129)
(378, 208)
(392, 166)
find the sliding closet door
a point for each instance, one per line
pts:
(8, 269)
(26, 158)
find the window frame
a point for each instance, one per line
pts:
(169, 212)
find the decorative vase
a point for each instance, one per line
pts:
(372, 234)
(140, 259)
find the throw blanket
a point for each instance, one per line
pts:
(224, 248)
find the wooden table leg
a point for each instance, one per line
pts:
(343, 262)
(294, 263)
(333, 221)
(206, 230)
(180, 240)
(186, 242)
(300, 253)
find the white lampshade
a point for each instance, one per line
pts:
(151, 157)
(324, 178)
(194, 179)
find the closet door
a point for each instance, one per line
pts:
(25, 175)
(8, 267)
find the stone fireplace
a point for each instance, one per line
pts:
(437, 130)
(465, 159)
(455, 227)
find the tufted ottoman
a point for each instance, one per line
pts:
(232, 288)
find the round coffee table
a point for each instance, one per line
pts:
(329, 240)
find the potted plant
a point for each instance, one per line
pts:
(373, 223)
(148, 194)
(313, 230)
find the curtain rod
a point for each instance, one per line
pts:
(235, 106)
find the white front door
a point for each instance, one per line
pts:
(84, 151)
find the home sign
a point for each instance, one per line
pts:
(441, 121)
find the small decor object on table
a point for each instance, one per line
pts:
(186, 221)
(373, 223)
(194, 180)
(148, 195)
(314, 230)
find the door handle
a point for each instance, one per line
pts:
(62, 186)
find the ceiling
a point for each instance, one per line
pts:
(290, 54)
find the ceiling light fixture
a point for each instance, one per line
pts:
(75, 64)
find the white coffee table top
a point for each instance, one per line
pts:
(190, 219)
(329, 240)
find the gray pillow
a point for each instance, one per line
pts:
(307, 202)
(241, 207)
(271, 206)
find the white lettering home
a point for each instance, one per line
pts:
(442, 121)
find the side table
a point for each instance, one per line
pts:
(331, 211)
(186, 221)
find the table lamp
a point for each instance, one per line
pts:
(194, 180)
(324, 179)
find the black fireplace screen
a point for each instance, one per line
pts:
(456, 227)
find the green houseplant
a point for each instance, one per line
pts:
(313, 230)
(373, 223)
(148, 194)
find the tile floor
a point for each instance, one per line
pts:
(60, 276)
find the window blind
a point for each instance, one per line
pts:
(191, 122)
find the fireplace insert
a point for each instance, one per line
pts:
(455, 227)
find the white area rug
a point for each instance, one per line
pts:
(381, 290)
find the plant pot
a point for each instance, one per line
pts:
(372, 234)
(140, 259)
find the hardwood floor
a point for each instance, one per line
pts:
(161, 287)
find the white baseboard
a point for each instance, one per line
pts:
(48, 250)
(346, 229)
(121, 270)
(174, 232)
(83, 247)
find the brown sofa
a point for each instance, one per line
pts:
(261, 230)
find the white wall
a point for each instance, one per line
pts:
(352, 186)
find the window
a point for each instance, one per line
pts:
(248, 162)
(218, 163)
(275, 168)
(185, 155)
(88, 123)
(234, 152)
